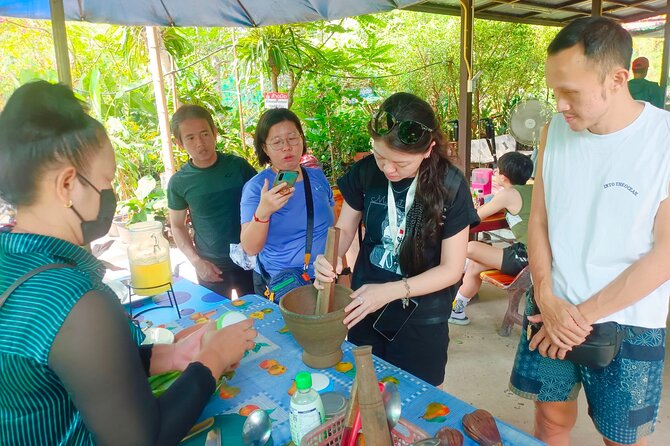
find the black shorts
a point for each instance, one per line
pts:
(418, 349)
(515, 258)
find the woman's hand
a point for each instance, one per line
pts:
(272, 200)
(223, 349)
(368, 299)
(323, 271)
(186, 349)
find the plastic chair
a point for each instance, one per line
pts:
(516, 287)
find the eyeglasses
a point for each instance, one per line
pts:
(278, 143)
(409, 132)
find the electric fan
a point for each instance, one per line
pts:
(527, 119)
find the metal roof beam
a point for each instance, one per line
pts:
(448, 10)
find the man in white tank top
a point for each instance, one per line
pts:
(599, 239)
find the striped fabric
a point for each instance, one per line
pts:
(34, 406)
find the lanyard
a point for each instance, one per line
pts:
(397, 232)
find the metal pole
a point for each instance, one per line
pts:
(597, 8)
(666, 50)
(60, 41)
(465, 87)
(153, 43)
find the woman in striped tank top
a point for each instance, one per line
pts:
(71, 368)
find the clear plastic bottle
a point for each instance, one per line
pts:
(306, 411)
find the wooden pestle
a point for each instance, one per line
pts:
(324, 297)
(373, 415)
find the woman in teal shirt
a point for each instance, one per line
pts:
(71, 369)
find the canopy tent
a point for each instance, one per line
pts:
(242, 13)
(253, 13)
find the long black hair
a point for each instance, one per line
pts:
(425, 218)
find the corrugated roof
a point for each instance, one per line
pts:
(547, 12)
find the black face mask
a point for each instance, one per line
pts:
(94, 229)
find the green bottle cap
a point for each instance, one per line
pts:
(303, 380)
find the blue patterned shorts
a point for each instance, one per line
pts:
(623, 398)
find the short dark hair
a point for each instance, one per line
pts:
(43, 125)
(515, 166)
(604, 41)
(190, 111)
(268, 119)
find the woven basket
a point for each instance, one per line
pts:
(330, 433)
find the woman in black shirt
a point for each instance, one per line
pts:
(418, 254)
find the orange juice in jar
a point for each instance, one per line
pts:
(149, 258)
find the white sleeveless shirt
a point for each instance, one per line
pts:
(602, 194)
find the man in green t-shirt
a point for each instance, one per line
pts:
(209, 187)
(643, 90)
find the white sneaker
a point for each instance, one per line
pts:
(458, 318)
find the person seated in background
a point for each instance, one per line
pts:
(72, 370)
(274, 218)
(514, 170)
(640, 88)
(209, 186)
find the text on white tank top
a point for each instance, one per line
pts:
(602, 194)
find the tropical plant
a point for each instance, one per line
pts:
(148, 203)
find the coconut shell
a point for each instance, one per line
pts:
(481, 427)
(449, 437)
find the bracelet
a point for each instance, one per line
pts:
(259, 220)
(405, 300)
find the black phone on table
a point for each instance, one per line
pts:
(394, 317)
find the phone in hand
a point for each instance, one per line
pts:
(393, 317)
(285, 176)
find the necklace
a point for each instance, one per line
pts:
(401, 190)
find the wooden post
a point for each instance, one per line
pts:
(240, 111)
(666, 51)
(60, 41)
(597, 8)
(153, 43)
(465, 87)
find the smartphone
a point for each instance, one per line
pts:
(393, 318)
(286, 176)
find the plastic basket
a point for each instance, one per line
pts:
(330, 433)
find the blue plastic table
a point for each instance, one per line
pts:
(266, 374)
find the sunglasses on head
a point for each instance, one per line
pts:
(409, 132)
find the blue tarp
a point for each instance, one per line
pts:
(243, 13)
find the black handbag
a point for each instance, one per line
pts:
(600, 348)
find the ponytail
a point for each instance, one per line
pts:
(426, 217)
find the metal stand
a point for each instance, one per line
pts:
(172, 298)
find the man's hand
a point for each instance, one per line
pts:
(208, 271)
(544, 346)
(564, 324)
